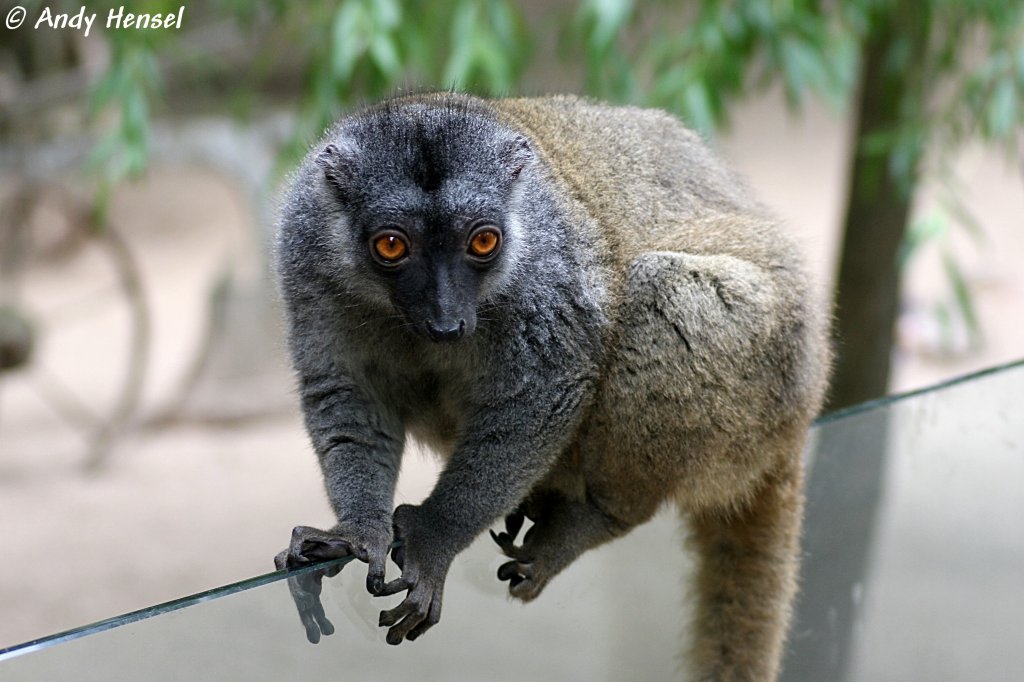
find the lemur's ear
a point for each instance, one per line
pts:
(516, 155)
(337, 159)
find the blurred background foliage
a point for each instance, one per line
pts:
(922, 77)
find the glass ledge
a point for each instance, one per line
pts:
(913, 569)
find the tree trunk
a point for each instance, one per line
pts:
(868, 285)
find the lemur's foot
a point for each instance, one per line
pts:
(527, 574)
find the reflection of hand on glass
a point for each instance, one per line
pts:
(312, 545)
(305, 588)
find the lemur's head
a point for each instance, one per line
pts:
(424, 196)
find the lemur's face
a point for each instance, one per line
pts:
(427, 200)
(434, 265)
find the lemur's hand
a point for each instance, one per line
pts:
(424, 561)
(369, 543)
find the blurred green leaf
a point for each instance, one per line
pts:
(488, 46)
(965, 218)
(348, 40)
(697, 107)
(387, 14)
(598, 26)
(608, 18)
(385, 56)
(460, 61)
(1003, 110)
(961, 294)
(921, 231)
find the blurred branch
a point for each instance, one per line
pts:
(221, 42)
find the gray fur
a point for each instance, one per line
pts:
(646, 335)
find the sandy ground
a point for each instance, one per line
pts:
(194, 504)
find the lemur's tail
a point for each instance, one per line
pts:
(746, 579)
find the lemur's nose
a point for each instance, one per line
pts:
(446, 332)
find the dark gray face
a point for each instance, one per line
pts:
(428, 197)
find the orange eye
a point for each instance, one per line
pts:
(484, 242)
(390, 248)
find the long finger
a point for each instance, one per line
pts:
(375, 573)
(392, 616)
(402, 629)
(394, 587)
(432, 619)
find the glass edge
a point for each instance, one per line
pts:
(7, 653)
(888, 400)
(10, 652)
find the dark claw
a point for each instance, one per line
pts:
(507, 570)
(374, 584)
(512, 569)
(514, 522)
(505, 543)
